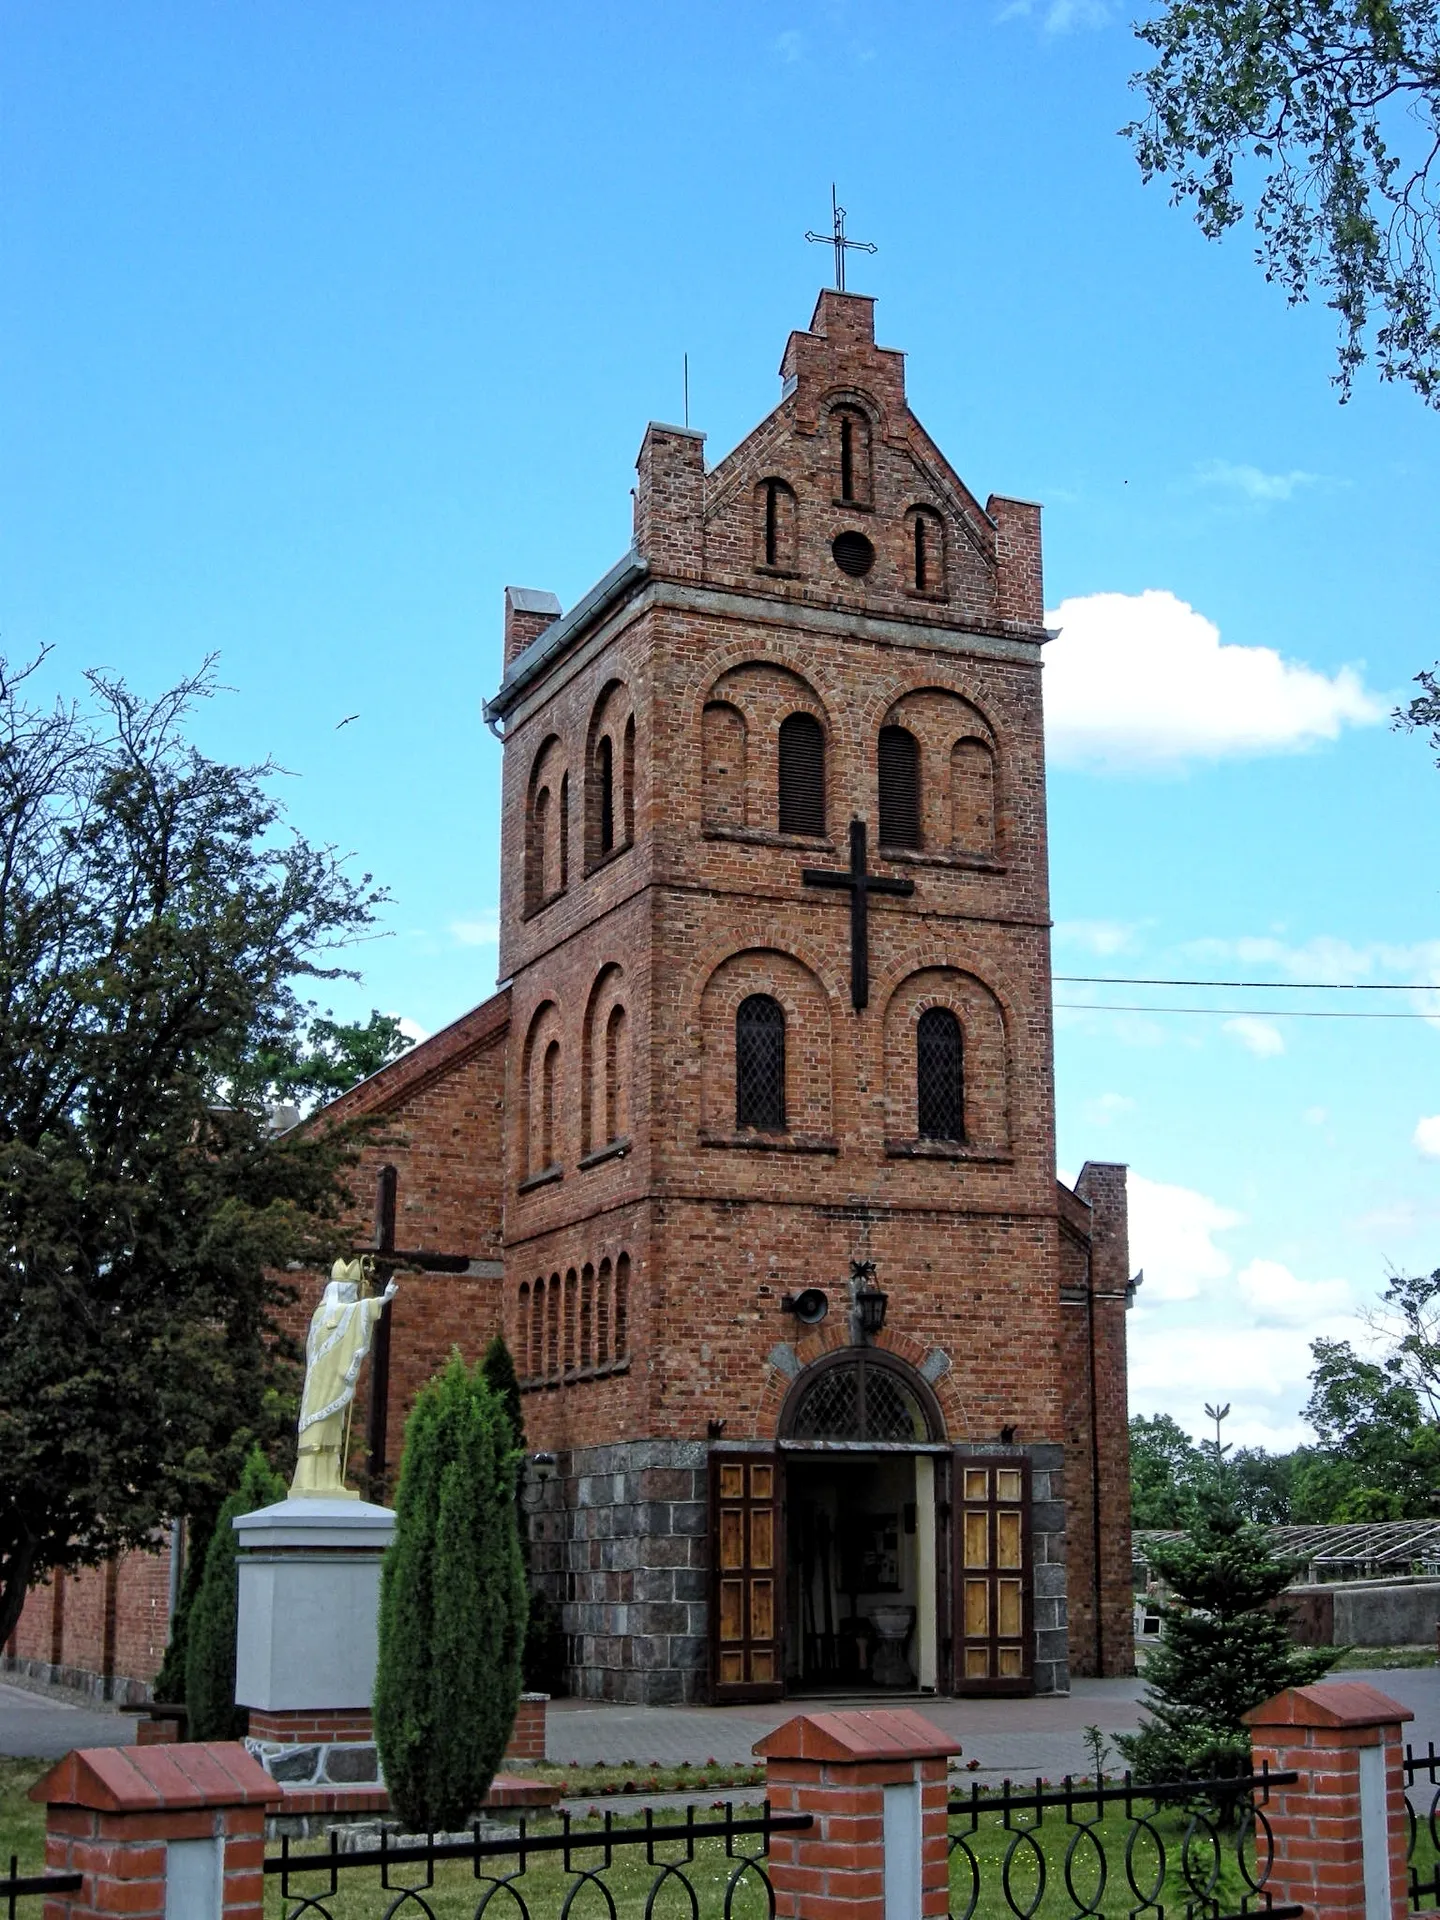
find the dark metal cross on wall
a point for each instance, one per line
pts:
(862, 883)
(837, 239)
(386, 1258)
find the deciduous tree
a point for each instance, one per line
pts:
(156, 918)
(1323, 116)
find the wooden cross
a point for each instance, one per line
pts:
(385, 1258)
(861, 884)
(836, 238)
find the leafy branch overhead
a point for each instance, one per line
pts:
(156, 921)
(1323, 116)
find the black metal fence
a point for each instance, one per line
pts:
(1422, 1848)
(1194, 1850)
(689, 1868)
(16, 1886)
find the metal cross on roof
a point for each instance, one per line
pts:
(837, 240)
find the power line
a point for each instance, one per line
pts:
(1270, 1013)
(1266, 986)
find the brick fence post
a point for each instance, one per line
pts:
(160, 1833)
(876, 1784)
(1340, 1831)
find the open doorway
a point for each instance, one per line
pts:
(861, 1569)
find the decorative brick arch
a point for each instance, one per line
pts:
(764, 693)
(809, 1069)
(609, 774)
(986, 1058)
(931, 1366)
(605, 1063)
(542, 1102)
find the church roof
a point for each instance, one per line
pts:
(425, 1062)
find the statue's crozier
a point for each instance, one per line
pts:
(341, 1330)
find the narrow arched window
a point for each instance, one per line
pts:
(802, 775)
(921, 556)
(522, 1322)
(587, 1315)
(605, 773)
(939, 1076)
(622, 1305)
(899, 788)
(540, 875)
(616, 1075)
(564, 859)
(537, 1331)
(854, 457)
(552, 1326)
(549, 1072)
(572, 1289)
(775, 526)
(760, 1064)
(604, 1315)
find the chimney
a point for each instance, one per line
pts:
(670, 502)
(528, 612)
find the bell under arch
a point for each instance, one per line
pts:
(861, 1396)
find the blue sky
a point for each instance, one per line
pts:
(320, 323)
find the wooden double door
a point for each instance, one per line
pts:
(982, 1592)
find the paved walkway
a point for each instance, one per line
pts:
(44, 1726)
(1018, 1738)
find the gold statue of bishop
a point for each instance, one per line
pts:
(341, 1329)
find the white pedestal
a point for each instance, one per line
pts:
(309, 1604)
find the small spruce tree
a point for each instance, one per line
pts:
(1225, 1644)
(498, 1367)
(453, 1604)
(214, 1612)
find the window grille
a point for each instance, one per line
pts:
(899, 788)
(859, 1400)
(802, 775)
(939, 1076)
(760, 1064)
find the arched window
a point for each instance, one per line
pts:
(899, 788)
(616, 1076)
(605, 773)
(859, 1394)
(760, 1064)
(927, 551)
(546, 823)
(604, 1313)
(622, 1306)
(572, 1289)
(802, 775)
(775, 526)
(537, 1331)
(563, 861)
(939, 1076)
(552, 1326)
(853, 456)
(522, 1327)
(587, 1315)
(549, 1073)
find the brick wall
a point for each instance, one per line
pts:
(102, 1630)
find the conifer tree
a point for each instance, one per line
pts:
(453, 1604)
(214, 1613)
(1225, 1644)
(498, 1367)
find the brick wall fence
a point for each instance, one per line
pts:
(155, 1832)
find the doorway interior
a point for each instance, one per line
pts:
(861, 1592)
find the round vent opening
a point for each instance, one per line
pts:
(853, 554)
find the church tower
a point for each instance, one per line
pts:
(832, 1370)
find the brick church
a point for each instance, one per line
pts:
(752, 1155)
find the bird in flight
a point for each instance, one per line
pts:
(346, 721)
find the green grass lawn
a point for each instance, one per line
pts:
(1378, 1659)
(22, 1822)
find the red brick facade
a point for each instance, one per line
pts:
(578, 1134)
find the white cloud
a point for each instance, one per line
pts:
(483, 931)
(1107, 1107)
(1142, 681)
(1427, 1136)
(412, 1029)
(1252, 482)
(1277, 1298)
(1171, 1232)
(1102, 937)
(1062, 16)
(1256, 1036)
(790, 45)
